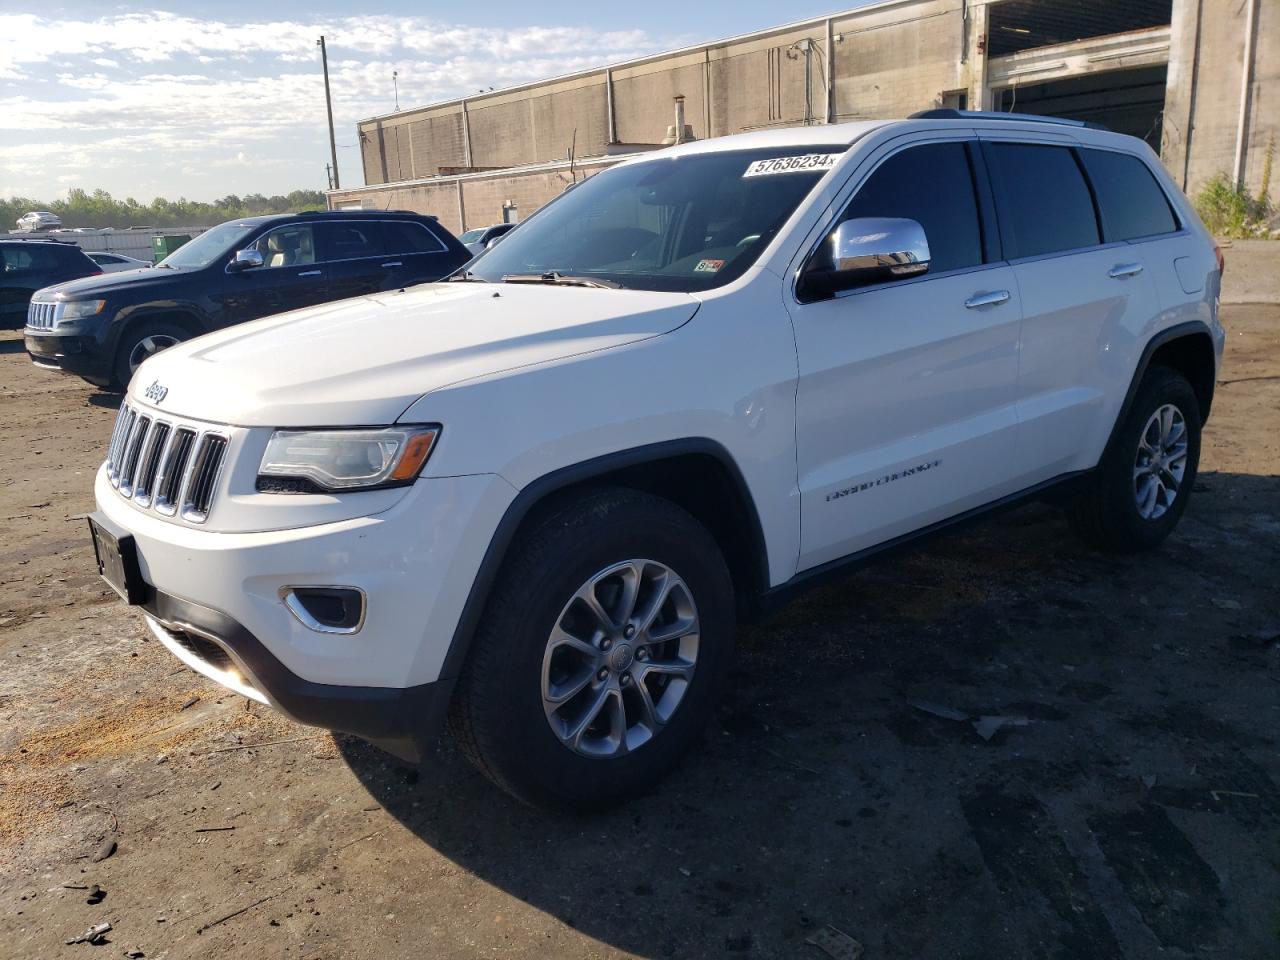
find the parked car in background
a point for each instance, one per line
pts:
(39, 220)
(478, 240)
(115, 262)
(28, 264)
(103, 328)
(537, 500)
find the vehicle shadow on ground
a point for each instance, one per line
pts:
(1129, 802)
(12, 346)
(107, 399)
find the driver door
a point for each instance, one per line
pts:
(290, 277)
(905, 410)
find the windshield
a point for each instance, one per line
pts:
(471, 236)
(220, 241)
(682, 223)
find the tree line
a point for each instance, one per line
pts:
(100, 209)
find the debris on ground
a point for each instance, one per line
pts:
(105, 850)
(985, 726)
(836, 944)
(232, 916)
(988, 727)
(940, 710)
(93, 935)
(96, 895)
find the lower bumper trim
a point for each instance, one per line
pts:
(404, 721)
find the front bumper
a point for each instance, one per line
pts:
(79, 355)
(219, 598)
(401, 720)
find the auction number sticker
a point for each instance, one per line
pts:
(801, 164)
(708, 266)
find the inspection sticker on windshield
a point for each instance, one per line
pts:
(708, 266)
(803, 164)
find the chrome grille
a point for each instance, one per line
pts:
(40, 315)
(161, 465)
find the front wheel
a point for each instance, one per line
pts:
(1143, 483)
(143, 341)
(600, 655)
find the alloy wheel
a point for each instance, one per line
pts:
(1160, 463)
(620, 658)
(149, 346)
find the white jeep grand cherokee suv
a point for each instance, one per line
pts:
(537, 500)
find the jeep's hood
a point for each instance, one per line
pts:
(365, 361)
(102, 285)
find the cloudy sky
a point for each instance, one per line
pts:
(181, 101)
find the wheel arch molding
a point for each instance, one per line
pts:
(720, 500)
(184, 315)
(1186, 347)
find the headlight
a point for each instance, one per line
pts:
(312, 461)
(78, 309)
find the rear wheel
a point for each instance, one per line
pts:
(599, 658)
(1143, 483)
(143, 341)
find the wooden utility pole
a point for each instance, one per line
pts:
(328, 105)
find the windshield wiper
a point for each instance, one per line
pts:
(466, 276)
(559, 278)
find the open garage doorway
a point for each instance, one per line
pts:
(1126, 101)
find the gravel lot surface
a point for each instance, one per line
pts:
(1136, 814)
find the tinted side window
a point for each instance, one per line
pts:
(405, 236)
(1130, 201)
(348, 241)
(1043, 201)
(931, 184)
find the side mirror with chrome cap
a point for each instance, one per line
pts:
(245, 260)
(864, 251)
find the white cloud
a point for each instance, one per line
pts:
(211, 106)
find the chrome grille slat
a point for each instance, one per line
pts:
(205, 468)
(113, 446)
(127, 418)
(167, 466)
(174, 471)
(132, 454)
(150, 463)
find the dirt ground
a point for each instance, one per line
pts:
(1135, 815)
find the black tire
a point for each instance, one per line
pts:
(134, 336)
(498, 717)
(1106, 514)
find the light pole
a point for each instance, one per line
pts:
(328, 105)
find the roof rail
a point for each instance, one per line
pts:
(70, 243)
(950, 113)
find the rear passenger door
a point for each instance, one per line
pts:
(905, 401)
(413, 253)
(1085, 303)
(355, 256)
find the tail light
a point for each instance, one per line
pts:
(1222, 262)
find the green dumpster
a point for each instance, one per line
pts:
(161, 247)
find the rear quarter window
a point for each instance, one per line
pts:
(405, 236)
(1130, 201)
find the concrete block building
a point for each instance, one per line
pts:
(1198, 79)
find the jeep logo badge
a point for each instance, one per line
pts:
(156, 392)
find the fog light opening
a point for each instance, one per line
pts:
(327, 609)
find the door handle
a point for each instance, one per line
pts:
(310, 273)
(987, 299)
(393, 263)
(1122, 270)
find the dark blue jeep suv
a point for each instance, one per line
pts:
(102, 328)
